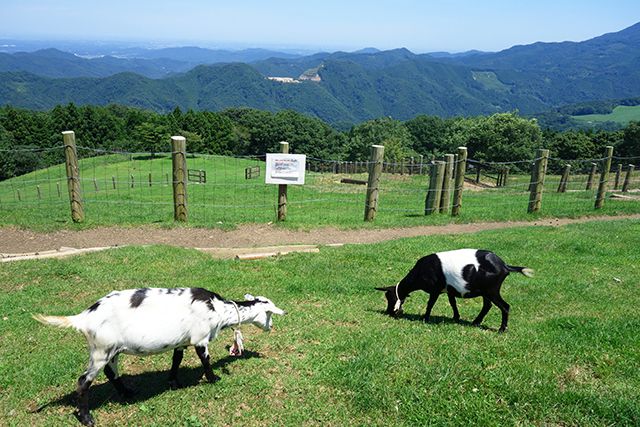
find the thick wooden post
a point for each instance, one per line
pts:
(592, 175)
(421, 163)
(618, 173)
(505, 176)
(627, 179)
(536, 185)
(179, 162)
(375, 172)
(478, 173)
(73, 176)
(445, 197)
(562, 188)
(461, 168)
(604, 177)
(432, 201)
(282, 188)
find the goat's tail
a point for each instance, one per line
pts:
(59, 321)
(524, 270)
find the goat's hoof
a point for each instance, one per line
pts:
(212, 378)
(456, 318)
(425, 319)
(502, 330)
(85, 419)
(174, 384)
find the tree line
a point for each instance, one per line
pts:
(502, 137)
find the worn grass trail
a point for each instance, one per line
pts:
(570, 356)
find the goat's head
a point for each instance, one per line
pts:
(264, 310)
(394, 304)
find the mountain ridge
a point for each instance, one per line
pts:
(357, 86)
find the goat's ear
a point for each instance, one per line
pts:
(385, 289)
(249, 297)
(276, 310)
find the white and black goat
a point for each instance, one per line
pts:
(153, 320)
(464, 273)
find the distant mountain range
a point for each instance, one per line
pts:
(337, 87)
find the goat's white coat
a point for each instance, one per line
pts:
(162, 322)
(453, 262)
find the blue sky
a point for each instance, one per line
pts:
(421, 26)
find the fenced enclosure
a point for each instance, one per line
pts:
(121, 188)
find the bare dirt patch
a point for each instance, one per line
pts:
(14, 240)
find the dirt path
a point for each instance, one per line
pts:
(13, 240)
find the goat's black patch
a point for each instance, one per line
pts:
(137, 297)
(95, 306)
(468, 271)
(490, 262)
(170, 291)
(205, 296)
(247, 303)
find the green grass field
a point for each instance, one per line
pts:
(116, 191)
(570, 356)
(621, 114)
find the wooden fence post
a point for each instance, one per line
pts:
(592, 175)
(461, 168)
(536, 185)
(477, 173)
(627, 179)
(432, 201)
(421, 163)
(618, 173)
(113, 182)
(445, 197)
(282, 188)
(73, 176)
(375, 172)
(505, 176)
(149, 179)
(564, 179)
(179, 164)
(604, 177)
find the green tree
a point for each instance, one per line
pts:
(503, 137)
(630, 145)
(388, 132)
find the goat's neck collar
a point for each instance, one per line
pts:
(398, 300)
(237, 312)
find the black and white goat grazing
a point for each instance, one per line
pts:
(152, 320)
(465, 273)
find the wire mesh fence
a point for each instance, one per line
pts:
(121, 188)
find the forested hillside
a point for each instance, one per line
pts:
(241, 131)
(348, 87)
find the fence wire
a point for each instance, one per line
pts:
(132, 188)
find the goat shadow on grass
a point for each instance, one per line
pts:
(146, 385)
(436, 320)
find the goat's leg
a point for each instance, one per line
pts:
(486, 305)
(175, 363)
(432, 300)
(454, 305)
(111, 371)
(96, 362)
(203, 354)
(504, 307)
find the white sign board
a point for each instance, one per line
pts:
(285, 169)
